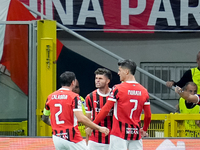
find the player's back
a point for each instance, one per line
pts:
(61, 103)
(131, 97)
(63, 121)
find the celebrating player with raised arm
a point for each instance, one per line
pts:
(129, 99)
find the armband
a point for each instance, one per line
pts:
(198, 98)
(46, 112)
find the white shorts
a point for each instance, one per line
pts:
(97, 146)
(61, 144)
(117, 143)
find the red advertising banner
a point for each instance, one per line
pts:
(22, 143)
(122, 15)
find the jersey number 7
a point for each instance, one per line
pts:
(134, 108)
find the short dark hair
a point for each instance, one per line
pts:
(104, 71)
(66, 78)
(128, 64)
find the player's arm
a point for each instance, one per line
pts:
(83, 119)
(102, 114)
(104, 111)
(147, 115)
(147, 119)
(45, 117)
(86, 121)
(189, 97)
(88, 115)
(106, 108)
(88, 106)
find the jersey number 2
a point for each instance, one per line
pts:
(134, 108)
(58, 113)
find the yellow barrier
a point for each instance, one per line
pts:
(178, 128)
(46, 70)
(158, 126)
(162, 125)
(13, 128)
(172, 125)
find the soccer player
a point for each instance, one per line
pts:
(189, 97)
(94, 102)
(64, 108)
(129, 99)
(76, 89)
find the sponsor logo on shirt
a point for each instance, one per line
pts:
(96, 102)
(131, 131)
(63, 135)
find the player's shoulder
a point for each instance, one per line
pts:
(142, 87)
(69, 93)
(94, 92)
(137, 86)
(72, 94)
(91, 93)
(117, 86)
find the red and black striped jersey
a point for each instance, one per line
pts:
(130, 99)
(94, 102)
(62, 104)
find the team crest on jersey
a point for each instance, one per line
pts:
(79, 104)
(111, 95)
(113, 88)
